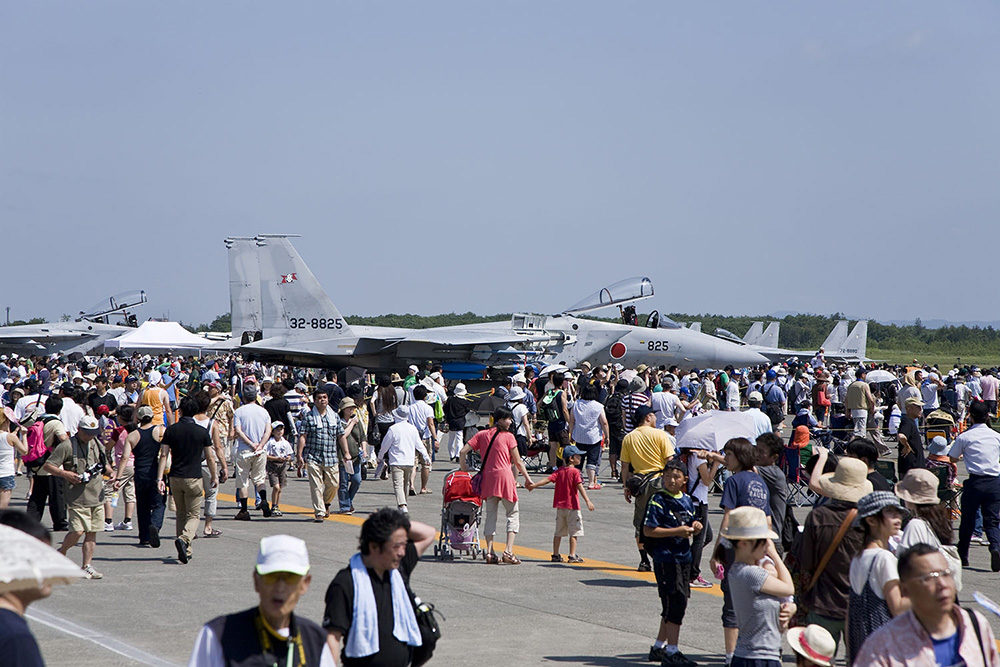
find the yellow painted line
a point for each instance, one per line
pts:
(526, 552)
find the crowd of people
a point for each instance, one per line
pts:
(874, 566)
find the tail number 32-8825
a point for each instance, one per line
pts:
(315, 323)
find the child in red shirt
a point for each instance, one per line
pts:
(569, 519)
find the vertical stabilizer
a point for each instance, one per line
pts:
(753, 333)
(770, 336)
(244, 287)
(292, 301)
(836, 338)
(856, 344)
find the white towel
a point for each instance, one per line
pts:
(363, 638)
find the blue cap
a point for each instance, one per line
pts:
(570, 450)
(771, 374)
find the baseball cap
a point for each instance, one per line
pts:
(641, 413)
(756, 396)
(412, 368)
(570, 450)
(249, 392)
(276, 423)
(214, 384)
(143, 412)
(282, 553)
(89, 425)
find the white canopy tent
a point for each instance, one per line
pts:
(153, 336)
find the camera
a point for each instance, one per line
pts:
(90, 472)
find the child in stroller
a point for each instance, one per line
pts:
(461, 513)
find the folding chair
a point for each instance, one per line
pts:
(887, 469)
(799, 493)
(948, 493)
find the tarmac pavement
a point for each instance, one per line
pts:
(148, 608)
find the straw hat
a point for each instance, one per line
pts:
(918, 486)
(812, 642)
(748, 523)
(345, 403)
(395, 378)
(848, 483)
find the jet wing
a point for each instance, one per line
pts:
(460, 338)
(39, 336)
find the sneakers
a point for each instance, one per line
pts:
(154, 537)
(556, 558)
(182, 550)
(657, 653)
(242, 515)
(124, 525)
(644, 567)
(678, 660)
(276, 512)
(979, 539)
(91, 572)
(574, 559)
(700, 582)
(109, 527)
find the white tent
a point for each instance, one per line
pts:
(159, 337)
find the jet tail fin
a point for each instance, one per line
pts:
(836, 338)
(770, 336)
(856, 344)
(753, 333)
(293, 303)
(244, 288)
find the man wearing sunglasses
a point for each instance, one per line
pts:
(936, 630)
(270, 633)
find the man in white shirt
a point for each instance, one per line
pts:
(252, 426)
(761, 421)
(979, 445)
(733, 393)
(422, 417)
(666, 405)
(400, 446)
(71, 413)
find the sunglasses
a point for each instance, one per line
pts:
(289, 578)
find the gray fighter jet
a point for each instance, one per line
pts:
(298, 323)
(83, 336)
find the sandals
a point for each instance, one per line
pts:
(491, 559)
(212, 533)
(593, 487)
(510, 559)
(556, 558)
(574, 559)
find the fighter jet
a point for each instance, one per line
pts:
(835, 347)
(83, 336)
(300, 324)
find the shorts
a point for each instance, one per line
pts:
(276, 474)
(728, 611)
(591, 455)
(615, 445)
(559, 432)
(7, 483)
(86, 519)
(673, 584)
(128, 488)
(569, 523)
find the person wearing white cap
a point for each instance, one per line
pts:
(270, 633)
(399, 449)
(81, 462)
(411, 377)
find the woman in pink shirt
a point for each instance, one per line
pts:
(498, 449)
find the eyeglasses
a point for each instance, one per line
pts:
(931, 577)
(289, 578)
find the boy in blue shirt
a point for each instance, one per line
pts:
(667, 529)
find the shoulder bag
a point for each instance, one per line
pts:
(837, 539)
(477, 479)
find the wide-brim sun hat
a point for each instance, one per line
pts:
(637, 385)
(918, 486)
(748, 523)
(515, 395)
(849, 482)
(460, 389)
(346, 402)
(814, 643)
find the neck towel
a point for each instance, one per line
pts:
(363, 638)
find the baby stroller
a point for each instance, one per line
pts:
(460, 517)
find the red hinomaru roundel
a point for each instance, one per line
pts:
(618, 350)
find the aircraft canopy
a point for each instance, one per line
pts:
(620, 293)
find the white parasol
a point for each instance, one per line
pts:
(879, 376)
(26, 562)
(553, 368)
(711, 430)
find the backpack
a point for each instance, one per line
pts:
(37, 452)
(548, 407)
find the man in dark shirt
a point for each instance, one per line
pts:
(911, 443)
(333, 390)
(187, 443)
(101, 396)
(865, 449)
(389, 541)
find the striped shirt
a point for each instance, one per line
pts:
(629, 404)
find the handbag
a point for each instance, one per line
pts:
(477, 479)
(430, 631)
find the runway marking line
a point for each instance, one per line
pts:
(541, 555)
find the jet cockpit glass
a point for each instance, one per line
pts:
(620, 293)
(656, 321)
(113, 304)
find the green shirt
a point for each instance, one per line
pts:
(76, 456)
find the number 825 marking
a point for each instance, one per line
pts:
(658, 345)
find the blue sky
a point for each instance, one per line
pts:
(506, 156)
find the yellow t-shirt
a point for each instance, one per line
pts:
(647, 449)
